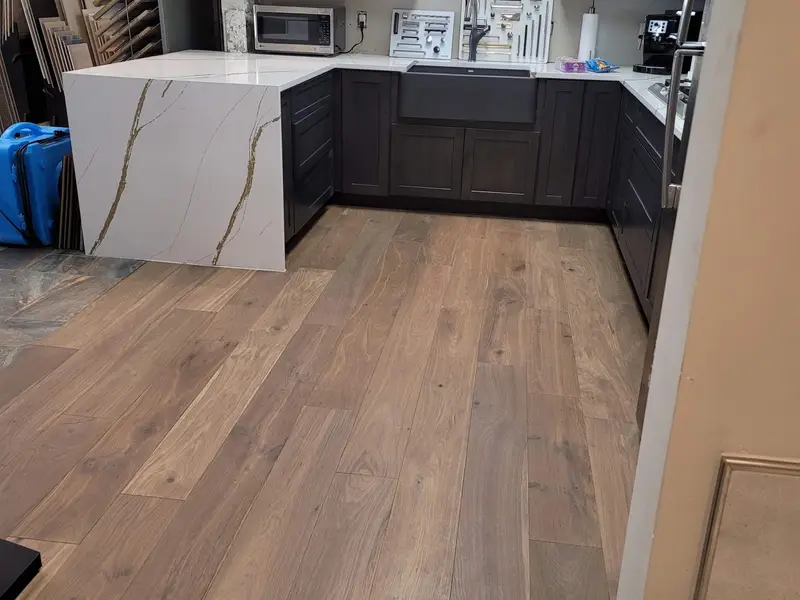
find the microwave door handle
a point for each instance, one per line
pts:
(396, 22)
(669, 191)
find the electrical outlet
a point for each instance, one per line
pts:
(362, 19)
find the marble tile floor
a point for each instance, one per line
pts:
(42, 288)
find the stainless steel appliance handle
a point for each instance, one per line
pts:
(672, 114)
(683, 25)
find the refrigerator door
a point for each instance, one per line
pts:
(673, 167)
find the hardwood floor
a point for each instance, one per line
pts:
(424, 407)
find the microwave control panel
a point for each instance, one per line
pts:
(417, 33)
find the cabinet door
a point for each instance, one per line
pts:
(499, 166)
(366, 106)
(426, 160)
(601, 103)
(561, 121)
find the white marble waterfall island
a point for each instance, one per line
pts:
(178, 170)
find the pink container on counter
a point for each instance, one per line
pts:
(570, 65)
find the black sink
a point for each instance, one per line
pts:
(467, 94)
(471, 71)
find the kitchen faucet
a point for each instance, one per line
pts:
(475, 33)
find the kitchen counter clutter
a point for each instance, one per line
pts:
(219, 159)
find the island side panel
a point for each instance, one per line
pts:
(178, 171)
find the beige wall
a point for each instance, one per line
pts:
(738, 387)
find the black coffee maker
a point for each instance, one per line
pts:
(660, 39)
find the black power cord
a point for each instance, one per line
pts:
(358, 43)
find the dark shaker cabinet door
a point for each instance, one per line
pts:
(499, 166)
(596, 144)
(426, 160)
(366, 106)
(561, 122)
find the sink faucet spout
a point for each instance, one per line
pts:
(475, 33)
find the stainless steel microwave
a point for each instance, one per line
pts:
(299, 29)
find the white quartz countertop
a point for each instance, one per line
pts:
(284, 72)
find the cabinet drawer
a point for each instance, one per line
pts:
(312, 137)
(630, 107)
(306, 96)
(313, 191)
(650, 132)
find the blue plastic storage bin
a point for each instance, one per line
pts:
(30, 167)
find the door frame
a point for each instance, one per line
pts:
(701, 162)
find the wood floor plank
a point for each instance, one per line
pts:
(53, 555)
(585, 236)
(339, 563)
(441, 241)
(504, 334)
(266, 554)
(184, 562)
(331, 250)
(551, 357)
(414, 227)
(42, 464)
(564, 572)
(613, 448)
(475, 226)
(84, 495)
(416, 559)
(113, 305)
(381, 431)
(183, 455)
(607, 352)
(491, 561)
(103, 566)
(544, 276)
(498, 252)
(135, 370)
(215, 292)
(31, 364)
(561, 488)
(235, 319)
(417, 556)
(352, 364)
(598, 271)
(508, 253)
(345, 290)
(40, 404)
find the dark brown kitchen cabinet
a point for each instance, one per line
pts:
(426, 160)
(560, 118)
(499, 165)
(601, 102)
(365, 123)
